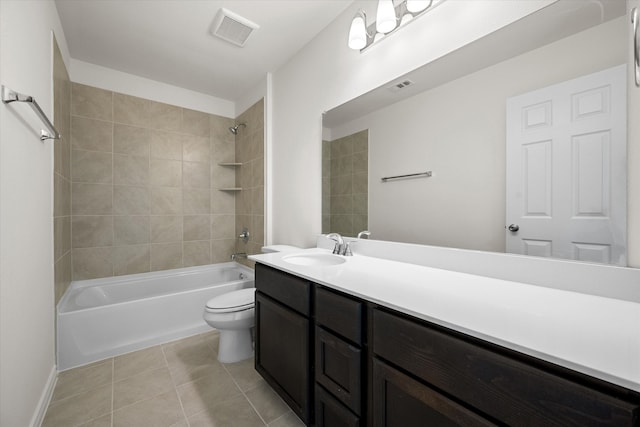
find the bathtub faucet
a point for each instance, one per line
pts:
(238, 255)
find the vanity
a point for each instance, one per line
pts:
(367, 341)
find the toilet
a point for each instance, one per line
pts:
(233, 315)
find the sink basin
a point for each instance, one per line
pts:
(314, 259)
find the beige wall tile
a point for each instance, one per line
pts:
(62, 236)
(360, 182)
(166, 229)
(195, 149)
(131, 140)
(165, 256)
(165, 173)
(62, 269)
(91, 263)
(131, 230)
(62, 196)
(129, 200)
(166, 145)
(131, 259)
(361, 161)
(223, 226)
(257, 172)
(195, 122)
(90, 134)
(223, 202)
(222, 249)
(197, 253)
(196, 201)
(91, 166)
(361, 141)
(88, 101)
(223, 152)
(131, 110)
(196, 227)
(165, 116)
(257, 229)
(92, 231)
(360, 203)
(130, 170)
(166, 200)
(92, 199)
(223, 176)
(219, 128)
(196, 174)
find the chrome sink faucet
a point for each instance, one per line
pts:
(340, 248)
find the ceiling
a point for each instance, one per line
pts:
(170, 41)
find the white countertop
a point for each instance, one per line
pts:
(595, 335)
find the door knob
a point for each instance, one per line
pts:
(513, 228)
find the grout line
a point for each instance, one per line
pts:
(175, 387)
(224, 365)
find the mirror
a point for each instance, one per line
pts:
(449, 118)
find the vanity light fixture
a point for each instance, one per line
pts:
(390, 16)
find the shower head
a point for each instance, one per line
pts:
(234, 129)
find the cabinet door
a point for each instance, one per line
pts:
(330, 413)
(338, 368)
(282, 353)
(399, 400)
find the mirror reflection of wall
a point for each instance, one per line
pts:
(345, 168)
(457, 130)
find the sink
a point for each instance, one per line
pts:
(314, 259)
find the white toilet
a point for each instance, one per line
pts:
(233, 315)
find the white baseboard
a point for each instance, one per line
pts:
(45, 399)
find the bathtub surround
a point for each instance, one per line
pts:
(145, 179)
(250, 177)
(61, 175)
(345, 184)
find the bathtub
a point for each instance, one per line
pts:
(101, 318)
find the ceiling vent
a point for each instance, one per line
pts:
(232, 27)
(400, 85)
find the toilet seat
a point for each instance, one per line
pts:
(243, 299)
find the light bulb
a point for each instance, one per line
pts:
(358, 31)
(386, 17)
(415, 6)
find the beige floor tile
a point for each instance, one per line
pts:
(137, 362)
(160, 411)
(140, 387)
(82, 379)
(191, 359)
(287, 420)
(217, 386)
(268, 404)
(236, 412)
(244, 374)
(79, 408)
(104, 421)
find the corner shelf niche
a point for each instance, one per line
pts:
(232, 164)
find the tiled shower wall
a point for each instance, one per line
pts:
(345, 184)
(250, 177)
(61, 175)
(144, 185)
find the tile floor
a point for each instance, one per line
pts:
(178, 384)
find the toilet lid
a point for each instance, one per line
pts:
(242, 299)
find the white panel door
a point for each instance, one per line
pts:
(567, 171)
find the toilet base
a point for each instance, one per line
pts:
(235, 345)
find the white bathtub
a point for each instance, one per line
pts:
(101, 318)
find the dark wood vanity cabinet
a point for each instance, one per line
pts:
(342, 362)
(340, 359)
(283, 343)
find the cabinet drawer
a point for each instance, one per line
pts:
(331, 413)
(399, 400)
(289, 290)
(341, 314)
(503, 387)
(338, 368)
